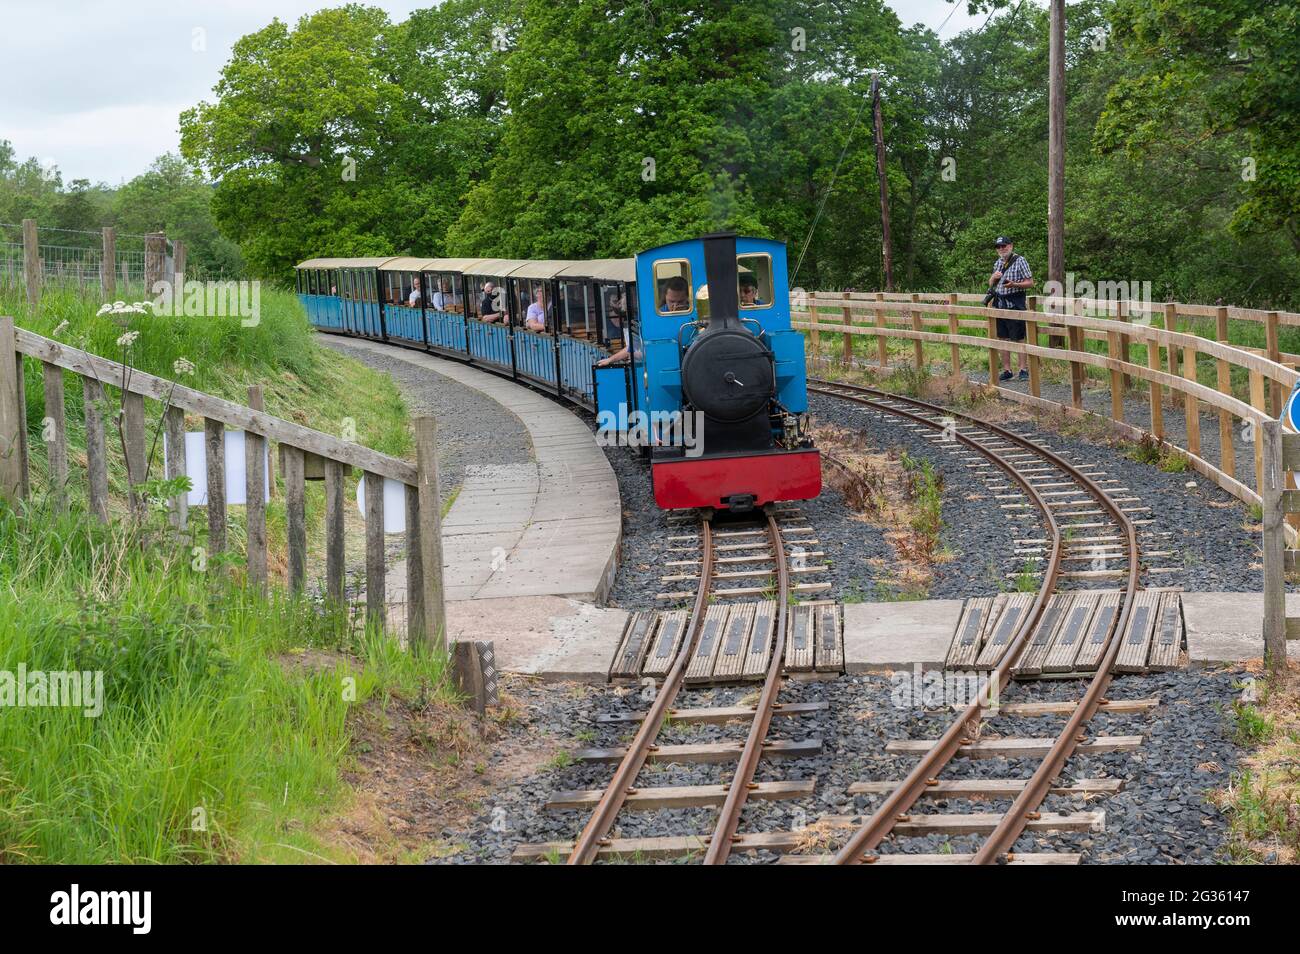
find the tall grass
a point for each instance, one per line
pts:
(212, 745)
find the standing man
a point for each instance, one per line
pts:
(1009, 280)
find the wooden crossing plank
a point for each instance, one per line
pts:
(1137, 637)
(981, 823)
(1002, 629)
(759, 652)
(706, 650)
(717, 714)
(1065, 708)
(830, 638)
(729, 664)
(632, 647)
(683, 796)
(1031, 660)
(780, 842)
(799, 639)
(1167, 644)
(1094, 643)
(665, 644)
(967, 638)
(705, 751)
(1017, 748)
(1060, 658)
(993, 787)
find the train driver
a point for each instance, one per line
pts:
(749, 292)
(677, 295)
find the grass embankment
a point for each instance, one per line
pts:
(227, 715)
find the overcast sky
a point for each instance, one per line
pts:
(111, 78)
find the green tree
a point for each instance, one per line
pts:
(1202, 71)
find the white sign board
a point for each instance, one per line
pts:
(196, 468)
(394, 504)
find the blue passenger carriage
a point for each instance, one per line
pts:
(727, 361)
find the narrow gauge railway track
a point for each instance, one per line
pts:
(1022, 461)
(595, 834)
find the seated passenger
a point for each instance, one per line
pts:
(749, 292)
(487, 309)
(614, 329)
(414, 300)
(535, 320)
(677, 295)
(439, 300)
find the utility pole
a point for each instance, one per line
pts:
(887, 242)
(1056, 147)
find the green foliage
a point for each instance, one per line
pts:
(1224, 71)
(211, 745)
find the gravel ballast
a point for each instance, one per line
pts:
(1161, 814)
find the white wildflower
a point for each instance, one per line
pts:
(59, 329)
(105, 308)
(128, 339)
(181, 367)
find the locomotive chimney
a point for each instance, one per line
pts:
(720, 273)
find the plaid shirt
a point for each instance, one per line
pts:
(1018, 271)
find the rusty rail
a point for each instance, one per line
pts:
(882, 822)
(611, 801)
(729, 819)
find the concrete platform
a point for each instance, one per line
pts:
(550, 527)
(547, 636)
(1229, 627)
(897, 635)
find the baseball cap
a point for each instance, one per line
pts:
(1001, 240)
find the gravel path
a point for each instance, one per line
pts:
(1161, 814)
(473, 429)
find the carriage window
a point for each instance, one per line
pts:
(613, 312)
(754, 276)
(673, 286)
(446, 292)
(577, 314)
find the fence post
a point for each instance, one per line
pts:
(31, 263)
(1223, 383)
(882, 343)
(178, 268)
(1154, 389)
(155, 254)
(432, 611)
(1270, 492)
(255, 477)
(1274, 355)
(108, 265)
(1031, 338)
(954, 329)
(1171, 350)
(1191, 406)
(13, 417)
(1075, 341)
(847, 320)
(918, 346)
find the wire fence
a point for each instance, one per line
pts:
(74, 258)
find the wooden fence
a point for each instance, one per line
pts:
(1281, 455)
(305, 453)
(1068, 325)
